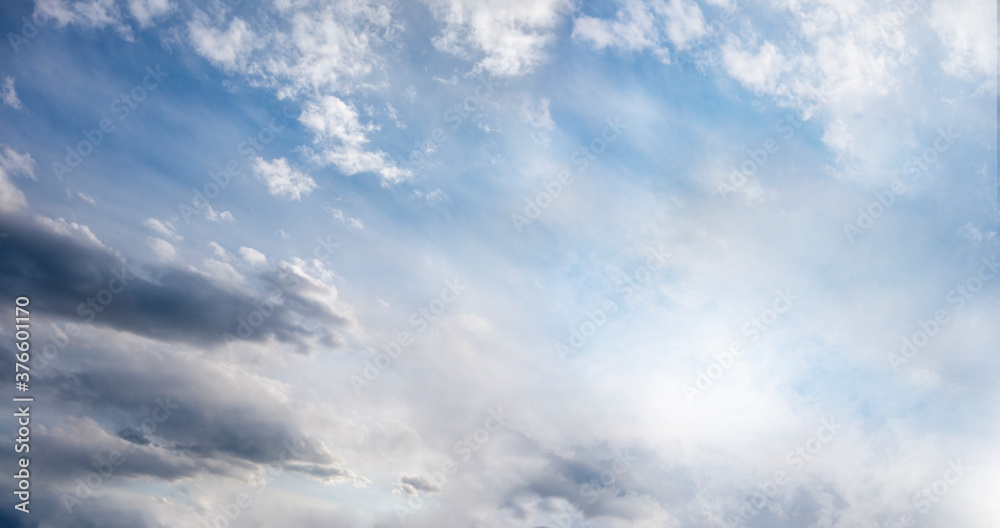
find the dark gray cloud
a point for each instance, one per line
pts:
(80, 447)
(177, 416)
(134, 435)
(63, 272)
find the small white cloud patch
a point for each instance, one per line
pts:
(253, 257)
(8, 95)
(282, 179)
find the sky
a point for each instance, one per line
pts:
(491, 264)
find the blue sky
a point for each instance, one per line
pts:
(652, 248)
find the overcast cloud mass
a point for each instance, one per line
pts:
(502, 264)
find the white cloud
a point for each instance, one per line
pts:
(253, 257)
(223, 273)
(639, 25)
(8, 95)
(537, 114)
(634, 28)
(93, 14)
(282, 179)
(11, 198)
(302, 53)
(165, 251)
(218, 250)
(340, 138)
(435, 196)
(684, 22)
(339, 215)
(87, 198)
(165, 229)
(332, 47)
(510, 36)
(968, 29)
(14, 164)
(215, 216)
(837, 137)
(394, 115)
(759, 71)
(228, 48)
(313, 55)
(146, 10)
(17, 164)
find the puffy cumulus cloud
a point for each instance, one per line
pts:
(760, 70)
(282, 179)
(506, 38)
(165, 251)
(827, 52)
(830, 61)
(228, 47)
(298, 50)
(333, 47)
(340, 140)
(316, 53)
